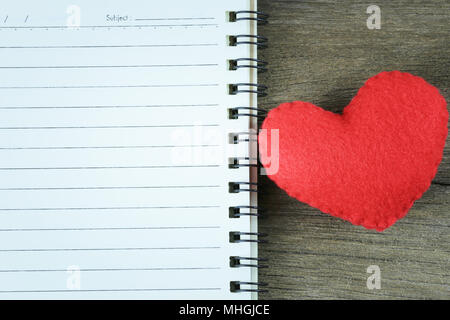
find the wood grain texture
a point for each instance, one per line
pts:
(322, 52)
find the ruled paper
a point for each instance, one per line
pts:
(114, 149)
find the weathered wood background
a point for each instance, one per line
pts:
(322, 52)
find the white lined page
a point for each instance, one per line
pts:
(114, 150)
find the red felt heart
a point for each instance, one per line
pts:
(367, 165)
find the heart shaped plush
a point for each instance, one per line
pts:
(367, 165)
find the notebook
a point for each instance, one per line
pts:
(127, 149)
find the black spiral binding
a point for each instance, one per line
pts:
(240, 286)
(256, 88)
(237, 137)
(237, 112)
(235, 212)
(234, 113)
(236, 262)
(259, 41)
(236, 163)
(260, 17)
(258, 64)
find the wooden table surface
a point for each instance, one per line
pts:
(322, 52)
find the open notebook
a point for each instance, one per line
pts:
(119, 146)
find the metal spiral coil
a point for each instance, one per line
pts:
(235, 163)
(236, 137)
(239, 237)
(237, 112)
(235, 212)
(250, 39)
(256, 88)
(260, 17)
(243, 286)
(250, 162)
(236, 262)
(258, 64)
(235, 187)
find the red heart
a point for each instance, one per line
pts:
(369, 164)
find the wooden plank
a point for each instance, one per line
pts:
(322, 52)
